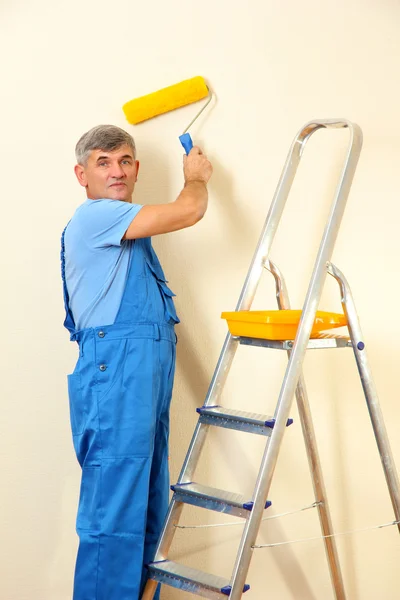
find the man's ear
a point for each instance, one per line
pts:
(137, 168)
(81, 175)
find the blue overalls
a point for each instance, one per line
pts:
(120, 393)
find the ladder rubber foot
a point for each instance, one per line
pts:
(227, 589)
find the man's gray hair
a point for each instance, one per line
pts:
(102, 137)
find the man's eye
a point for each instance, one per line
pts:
(126, 162)
(102, 164)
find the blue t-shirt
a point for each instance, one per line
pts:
(97, 261)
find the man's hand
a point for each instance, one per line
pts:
(196, 166)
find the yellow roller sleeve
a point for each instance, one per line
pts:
(169, 98)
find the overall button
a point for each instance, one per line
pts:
(103, 367)
(101, 334)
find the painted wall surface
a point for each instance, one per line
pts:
(68, 66)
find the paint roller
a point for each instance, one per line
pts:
(169, 98)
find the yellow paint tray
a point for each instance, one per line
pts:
(277, 324)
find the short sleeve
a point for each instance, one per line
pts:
(104, 222)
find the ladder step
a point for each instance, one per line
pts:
(191, 580)
(213, 499)
(237, 419)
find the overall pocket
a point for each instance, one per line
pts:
(77, 404)
(166, 293)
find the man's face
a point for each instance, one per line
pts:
(109, 174)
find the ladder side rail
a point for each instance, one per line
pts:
(314, 462)
(370, 392)
(293, 370)
(230, 346)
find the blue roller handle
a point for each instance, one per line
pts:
(186, 142)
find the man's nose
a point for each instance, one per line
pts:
(117, 171)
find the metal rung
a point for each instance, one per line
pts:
(323, 341)
(237, 419)
(191, 580)
(213, 499)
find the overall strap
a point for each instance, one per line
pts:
(128, 308)
(69, 320)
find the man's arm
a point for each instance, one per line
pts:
(189, 207)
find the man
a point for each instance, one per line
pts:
(121, 312)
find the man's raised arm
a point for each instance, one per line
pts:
(189, 207)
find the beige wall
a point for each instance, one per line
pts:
(274, 65)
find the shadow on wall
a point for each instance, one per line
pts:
(154, 175)
(238, 226)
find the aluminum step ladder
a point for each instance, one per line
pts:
(211, 414)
